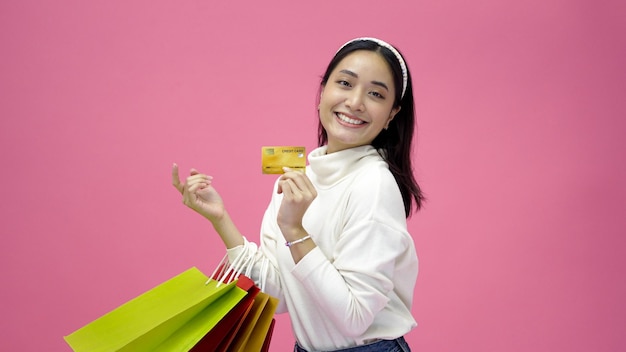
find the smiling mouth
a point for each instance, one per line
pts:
(349, 120)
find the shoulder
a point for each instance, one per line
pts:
(375, 176)
(374, 191)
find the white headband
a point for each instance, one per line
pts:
(393, 50)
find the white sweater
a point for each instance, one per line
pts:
(357, 284)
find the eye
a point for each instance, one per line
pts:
(377, 95)
(342, 82)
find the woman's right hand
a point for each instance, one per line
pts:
(199, 195)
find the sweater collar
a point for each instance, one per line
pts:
(329, 169)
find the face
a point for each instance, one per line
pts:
(357, 101)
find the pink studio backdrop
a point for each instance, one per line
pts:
(521, 116)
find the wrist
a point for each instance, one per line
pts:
(218, 219)
(293, 233)
(300, 240)
(227, 230)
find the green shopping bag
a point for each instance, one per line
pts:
(173, 316)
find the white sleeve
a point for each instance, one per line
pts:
(264, 268)
(373, 254)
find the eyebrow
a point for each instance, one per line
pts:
(378, 83)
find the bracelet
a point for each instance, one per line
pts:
(289, 244)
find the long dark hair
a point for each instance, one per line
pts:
(394, 143)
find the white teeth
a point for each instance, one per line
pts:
(345, 118)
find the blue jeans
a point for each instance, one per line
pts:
(397, 345)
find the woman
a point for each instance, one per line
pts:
(334, 243)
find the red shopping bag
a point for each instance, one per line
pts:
(220, 337)
(248, 327)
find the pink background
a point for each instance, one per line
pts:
(521, 114)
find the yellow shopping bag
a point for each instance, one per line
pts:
(257, 327)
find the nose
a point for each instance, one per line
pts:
(354, 100)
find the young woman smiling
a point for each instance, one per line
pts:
(334, 242)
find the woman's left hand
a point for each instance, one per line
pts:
(298, 193)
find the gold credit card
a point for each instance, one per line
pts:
(274, 159)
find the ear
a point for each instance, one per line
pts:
(393, 113)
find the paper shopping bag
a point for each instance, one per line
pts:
(258, 325)
(163, 315)
(222, 335)
(249, 326)
(205, 322)
(268, 338)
